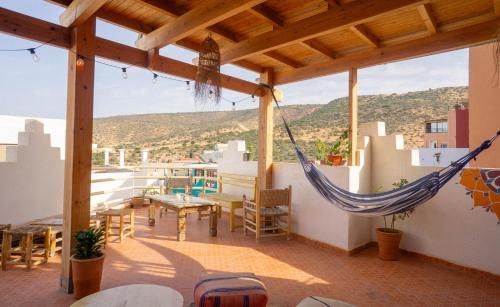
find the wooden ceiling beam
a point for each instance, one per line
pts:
(263, 12)
(441, 42)
(362, 32)
(28, 27)
(496, 7)
(79, 11)
(428, 18)
(283, 59)
(334, 4)
(205, 14)
(319, 47)
(352, 13)
(139, 27)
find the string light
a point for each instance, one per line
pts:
(124, 73)
(80, 61)
(34, 55)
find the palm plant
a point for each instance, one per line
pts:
(89, 243)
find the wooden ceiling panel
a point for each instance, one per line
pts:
(396, 24)
(341, 41)
(295, 10)
(448, 11)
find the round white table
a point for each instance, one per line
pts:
(133, 295)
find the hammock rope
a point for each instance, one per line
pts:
(395, 201)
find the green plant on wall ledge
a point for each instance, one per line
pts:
(321, 150)
(342, 146)
(150, 191)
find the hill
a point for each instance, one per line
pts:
(174, 135)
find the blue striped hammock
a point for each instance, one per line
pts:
(396, 201)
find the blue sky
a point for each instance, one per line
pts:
(39, 89)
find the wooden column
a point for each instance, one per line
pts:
(78, 164)
(265, 137)
(353, 114)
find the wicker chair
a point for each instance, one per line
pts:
(270, 215)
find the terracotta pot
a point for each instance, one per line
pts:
(388, 243)
(137, 202)
(86, 275)
(335, 159)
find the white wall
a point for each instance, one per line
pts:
(31, 181)
(429, 156)
(10, 126)
(444, 227)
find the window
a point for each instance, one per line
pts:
(436, 127)
(444, 145)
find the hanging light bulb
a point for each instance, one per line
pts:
(253, 98)
(210, 94)
(124, 73)
(234, 106)
(80, 62)
(34, 55)
(188, 85)
(155, 78)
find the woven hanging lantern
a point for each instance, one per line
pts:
(207, 86)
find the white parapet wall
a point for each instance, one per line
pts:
(32, 178)
(445, 227)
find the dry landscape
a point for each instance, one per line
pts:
(174, 135)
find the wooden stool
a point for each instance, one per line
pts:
(27, 249)
(126, 228)
(2, 228)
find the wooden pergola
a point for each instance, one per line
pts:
(282, 40)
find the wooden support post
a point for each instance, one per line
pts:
(265, 145)
(353, 114)
(76, 209)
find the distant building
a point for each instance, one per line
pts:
(452, 132)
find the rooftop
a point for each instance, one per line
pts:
(291, 270)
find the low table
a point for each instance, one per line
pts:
(182, 208)
(133, 295)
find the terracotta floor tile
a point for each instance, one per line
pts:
(291, 270)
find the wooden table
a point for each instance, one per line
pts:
(133, 295)
(183, 208)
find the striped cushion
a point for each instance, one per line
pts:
(230, 289)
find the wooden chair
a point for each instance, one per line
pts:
(233, 200)
(270, 215)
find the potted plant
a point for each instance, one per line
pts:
(340, 149)
(321, 151)
(87, 262)
(389, 237)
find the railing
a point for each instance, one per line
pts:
(114, 186)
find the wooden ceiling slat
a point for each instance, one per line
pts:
(317, 46)
(440, 42)
(283, 59)
(496, 7)
(333, 20)
(364, 34)
(79, 11)
(267, 14)
(207, 13)
(427, 18)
